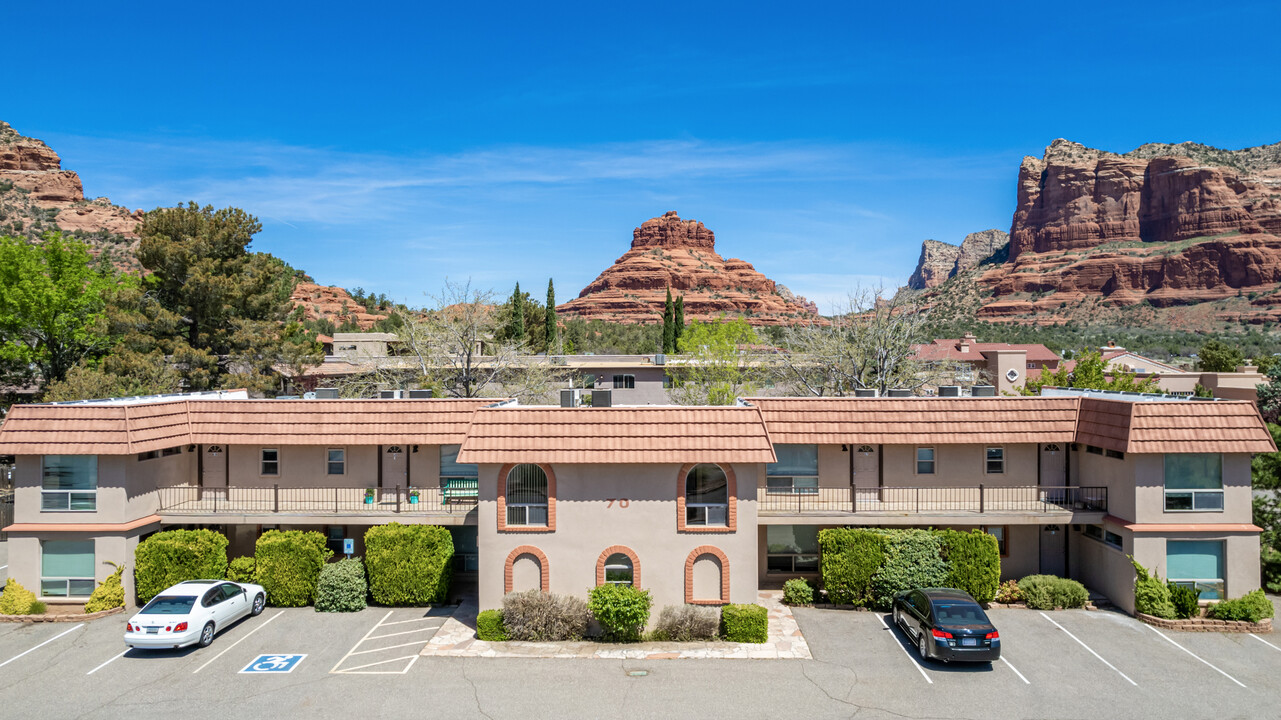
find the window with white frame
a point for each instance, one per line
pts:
(706, 496)
(1197, 564)
(618, 569)
(66, 568)
(69, 483)
(995, 461)
(526, 496)
(627, 382)
(791, 548)
(1000, 532)
(1193, 482)
(269, 463)
(925, 461)
(335, 461)
(795, 473)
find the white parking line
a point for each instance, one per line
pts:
(229, 647)
(46, 642)
(406, 632)
(389, 647)
(410, 658)
(904, 649)
(1016, 670)
(1198, 657)
(1265, 642)
(402, 622)
(108, 662)
(1087, 647)
(358, 642)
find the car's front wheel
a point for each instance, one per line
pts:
(207, 635)
(259, 602)
(923, 645)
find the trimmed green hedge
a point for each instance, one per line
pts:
(342, 587)
(173, 556)
(621, 610)
(489, 626)
(288, 564)
(1049, 592)
(408, 564)
(745, 623)
(797, 592)
(913, 559)
(851, 556)
(974, 560)
(241, 570)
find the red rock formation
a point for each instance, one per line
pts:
(322, 302)
(940, 261)
(668, 252)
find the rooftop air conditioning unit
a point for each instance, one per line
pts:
(288, 397)
(326, 393)
(949, 391)
(391, 394)
(568, 398)
(983, 391)
(866, 392)
(900, 393)
(660, 359)
(420, 394)
(602, 398)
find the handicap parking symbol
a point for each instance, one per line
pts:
(273, 664)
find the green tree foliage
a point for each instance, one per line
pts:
(606, 338)
(1218, 356)
(678, 321)
(669, 324)
(715, 369)
(1151, 593)
(52, 307)
(288, 563)
(1268, 395)
(408, 564)
(1265, 468)
(550, 330)
(173, 556)
(1090, 372)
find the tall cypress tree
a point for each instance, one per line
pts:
(678, 323)
(516, 325)
(552, 330)
(669, 325)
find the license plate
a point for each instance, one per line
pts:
(153, 630)
(969, 642)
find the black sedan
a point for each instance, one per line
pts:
(947, 625)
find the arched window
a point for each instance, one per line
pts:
(618, 570)
(527, 496)
(706, 496)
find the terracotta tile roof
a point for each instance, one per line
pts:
(1175, 426)
(127, 429)
(617, 435)
(950, 349)
(909, 421)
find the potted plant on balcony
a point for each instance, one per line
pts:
(413, 496)
(369, 496)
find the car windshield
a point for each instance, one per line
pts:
(169, 605)
(966, 613)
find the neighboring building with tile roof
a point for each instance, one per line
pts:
(1005, 365)
(714, 502)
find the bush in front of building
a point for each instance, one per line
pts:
(687, 623)
(241, 569)
(173, 556)
(913, 559)
(1250, 607)
(974, 563)
(850, 557)
(1185, 601)
(1009, 592)
(537, 616)
(622, 611)
(745, 623)
(797, 591)
(408, 564)
(489, 626)
(1049, 592)
(342, 587)
(17, 600)
(1151, 594)
(287, 565)
(110, 593)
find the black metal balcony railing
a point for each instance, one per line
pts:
(923, 500)
(192, 500)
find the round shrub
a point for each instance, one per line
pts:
(974, 563)
(17, 600)
(341, 587)
(408, 564)
(1048, 592)
(745, 623)
(1251, 607)
(621, 610)
(288, 564)
(912, 560)
(685, 623)
(543, 617)
(798, 592)
(1009, 592)
(489, 626)
(109, 594)
(173, 556)
(241, 570)
(850, 557)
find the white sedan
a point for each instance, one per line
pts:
(193, 612)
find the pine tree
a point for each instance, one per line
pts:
(678, 323)
(516, 325)
(551, 318)
(669, 325)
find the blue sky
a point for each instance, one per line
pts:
(392, 146)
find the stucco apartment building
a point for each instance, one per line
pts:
(695, 504)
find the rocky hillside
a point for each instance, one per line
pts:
(322, 302)
(941, 261)
(681, 254)
(37, 195)
(1168, 227)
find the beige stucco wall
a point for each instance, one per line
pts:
(307, 466)
(586, 524)
(999, 362)
(1103, 568)
(126, 488)
(25, 559)
(1116, 474)
(1241, 555)
(1149, 491)
(965, 466)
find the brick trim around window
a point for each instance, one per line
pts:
(544, 573)
(731, 515)
(636, 566)
(502, 501)
(689, 575)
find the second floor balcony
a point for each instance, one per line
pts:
(451, 503)
(979, 500)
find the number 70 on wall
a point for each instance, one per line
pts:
(622, 502)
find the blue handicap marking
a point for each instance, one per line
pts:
(273, 664)
(348, 546)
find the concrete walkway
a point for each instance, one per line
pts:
(457, 638)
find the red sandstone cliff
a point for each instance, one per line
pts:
(681, 254)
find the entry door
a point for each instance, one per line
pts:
(1054, 550)
(394, 463)
(213, 474)
(865, 460)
